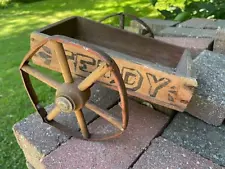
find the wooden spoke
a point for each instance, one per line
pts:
(38, 75)
(97, 73)
(82, 123)
(104, 114)
(55, 111)
(62, 60)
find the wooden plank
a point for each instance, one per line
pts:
(185, 66)
(141, 80)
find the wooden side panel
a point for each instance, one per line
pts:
(142, 81)
(185, 66)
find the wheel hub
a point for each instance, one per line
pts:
(70, 98)
(65, 104)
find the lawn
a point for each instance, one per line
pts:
(16, 24)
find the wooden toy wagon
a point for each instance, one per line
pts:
(143, 67)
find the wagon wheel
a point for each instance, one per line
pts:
(71, 97)
(122, 17)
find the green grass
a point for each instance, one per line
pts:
(16, 24)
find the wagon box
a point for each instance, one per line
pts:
(143, 67)
(152, 70)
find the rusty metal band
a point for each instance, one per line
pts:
(27, 82)
(122, 21)
(103, 56)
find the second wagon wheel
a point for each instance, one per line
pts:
(122, 17)
(71, 97)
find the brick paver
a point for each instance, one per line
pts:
(167, 155)
(220, 23)
(202, 23)
(208, 101)
(219, 42)
(196, 45)
(37, 139)
(144, 125)
(198, 137)
(199, 23)
(187, 32)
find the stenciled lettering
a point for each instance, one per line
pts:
(46, 54)
(70, 55)
(156, 84)
(85, 63)
(132, 78)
